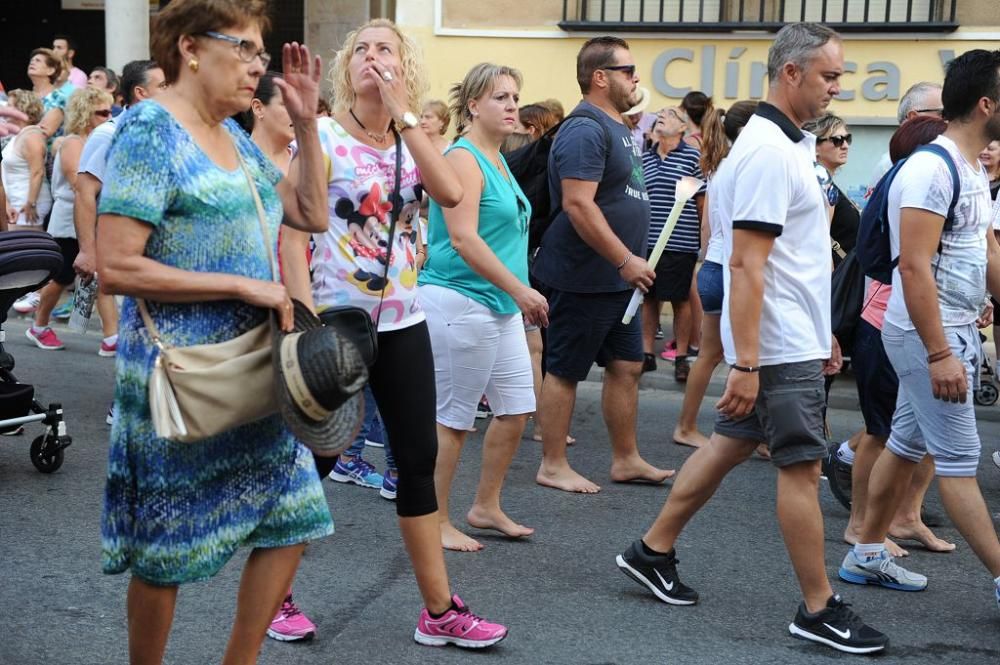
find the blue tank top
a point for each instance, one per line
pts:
(504, 212)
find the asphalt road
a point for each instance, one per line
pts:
(559, 592)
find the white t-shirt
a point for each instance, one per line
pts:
(768, 183)
(924, 182)
(713, 251)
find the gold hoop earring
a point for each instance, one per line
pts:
(193, 64)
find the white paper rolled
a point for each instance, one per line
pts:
(686, 188)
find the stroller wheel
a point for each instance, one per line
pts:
(986, 395)
(46, 454)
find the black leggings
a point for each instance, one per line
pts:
(402, 381)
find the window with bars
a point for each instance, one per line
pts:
(731, 15)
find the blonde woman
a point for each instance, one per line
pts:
(29, 197)
(378, 83)
(474, 289)
(87, 109)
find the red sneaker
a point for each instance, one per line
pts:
(45, 338)
(108, 350)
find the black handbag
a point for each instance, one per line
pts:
(847, 300)
(355, 323)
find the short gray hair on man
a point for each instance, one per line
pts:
(915, 98)
(796, 43)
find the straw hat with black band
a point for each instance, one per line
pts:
(318, 378)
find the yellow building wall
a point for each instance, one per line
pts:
(549, 67)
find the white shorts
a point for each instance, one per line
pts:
(476, 351)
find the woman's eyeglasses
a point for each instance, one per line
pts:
(103, 113)
(838, 139)
(247, 49)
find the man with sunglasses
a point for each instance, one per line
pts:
(776, 337)
(591, 259)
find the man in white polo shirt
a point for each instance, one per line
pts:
(776, 336)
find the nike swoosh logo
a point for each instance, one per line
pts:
(845, 634)
(668, 587)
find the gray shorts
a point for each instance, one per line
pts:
(788, 414)
(922, 424)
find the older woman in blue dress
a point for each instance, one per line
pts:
(178, 227)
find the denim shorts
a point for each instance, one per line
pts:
(788, 414)
(585, 328)
(710, 287)
(922, 424)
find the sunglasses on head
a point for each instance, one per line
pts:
(103, 113)
(628, 69)
(838, 140)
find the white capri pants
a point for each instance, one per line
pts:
(476, 351)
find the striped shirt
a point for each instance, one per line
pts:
(661, 175)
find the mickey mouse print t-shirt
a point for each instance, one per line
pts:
(349, 259)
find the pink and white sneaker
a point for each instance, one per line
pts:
(290, 624)
(458, 626)
(108, 350)
(45, 338)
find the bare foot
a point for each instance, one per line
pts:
(692, 438)
(538, 437)
(763, 451)
(455, 540)
(894, 550)
(565, 479)
(638, 470)
(923, 535)
(481, 518)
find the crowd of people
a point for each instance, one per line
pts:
(484, 294)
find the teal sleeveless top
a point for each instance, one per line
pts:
(504, 212)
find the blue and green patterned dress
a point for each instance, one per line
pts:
(176, 512)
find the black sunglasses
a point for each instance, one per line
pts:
(628, 69)
(838, 140)
(102, 113)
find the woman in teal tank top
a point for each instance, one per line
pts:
(474, 291)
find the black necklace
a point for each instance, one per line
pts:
(378, 138)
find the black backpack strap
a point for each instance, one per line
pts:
(397, 208)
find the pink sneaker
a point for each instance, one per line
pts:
(108, 350)
(44, 339)
(290, 624)
(458, 626)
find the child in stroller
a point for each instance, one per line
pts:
(28, 259)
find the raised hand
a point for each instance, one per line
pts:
(299, 82)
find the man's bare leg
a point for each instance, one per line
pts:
(696, 482)
(555, 412)
(651, 308)
(964, 502)
(907, 523)
(801, 524)
(886, 488)
(865, 454)
(620, 403)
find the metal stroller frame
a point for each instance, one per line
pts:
(29, 259)
(987, 393)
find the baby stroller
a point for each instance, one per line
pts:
(28, 259)
(987, 393)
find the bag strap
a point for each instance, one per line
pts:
(397, 208)
(147, 320)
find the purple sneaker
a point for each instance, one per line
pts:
(458, 626)
(356, 471)
(290, 624)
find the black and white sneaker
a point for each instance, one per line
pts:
(839, 627)
(658, 573)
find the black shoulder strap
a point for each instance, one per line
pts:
(397, 207)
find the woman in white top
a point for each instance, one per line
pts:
(87, 108)
(720, 129)
(29, 198)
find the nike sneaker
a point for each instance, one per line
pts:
(837, 626)
(658, 573)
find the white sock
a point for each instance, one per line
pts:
(868, 551)
(110, 341)
(845, 454)
(38, 329)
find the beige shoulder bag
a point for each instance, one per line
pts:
(199, 391)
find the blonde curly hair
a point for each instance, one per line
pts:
(81, 107)
(410, 61)
(28, 103)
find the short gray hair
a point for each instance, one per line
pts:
(796, 43)
(915, 98)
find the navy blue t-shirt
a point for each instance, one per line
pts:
(581, 152)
